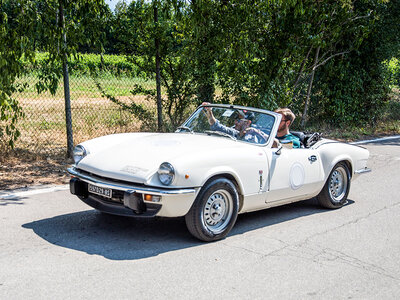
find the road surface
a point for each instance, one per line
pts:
(53, 246)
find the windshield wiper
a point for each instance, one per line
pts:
(185, 128)
(220, 133)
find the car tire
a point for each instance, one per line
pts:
(337, 187)
(214, 211)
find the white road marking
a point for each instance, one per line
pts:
(13, 195)
(377, 140)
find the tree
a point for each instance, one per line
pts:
(354, 88)
(337, 29)
(259, 53)
(154, 35)
(204, 22)
(43, 25)
(14, 44)
(80, 21)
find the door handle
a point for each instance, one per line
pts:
(312, 158)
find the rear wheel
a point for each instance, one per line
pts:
(337, 187)
(214, 211)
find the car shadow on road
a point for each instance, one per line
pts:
(122, 238)
(276, 215)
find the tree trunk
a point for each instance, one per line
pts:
(300, 72)
(306, 104)
(158, 77)
(68, 118)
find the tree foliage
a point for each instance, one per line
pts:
(14, 43)
(28, 26)
(321, 58)
(139, 36)
(83, 21)
(355, 88)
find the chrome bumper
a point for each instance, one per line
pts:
(127, 187)
(171, 202)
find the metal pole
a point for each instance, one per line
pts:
(68, 118)
(158, 77)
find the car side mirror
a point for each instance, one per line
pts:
(279, 151)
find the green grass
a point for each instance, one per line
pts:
(84, 86)
(85, 64)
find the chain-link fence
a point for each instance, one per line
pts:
(43, 128)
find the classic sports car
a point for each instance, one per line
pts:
(210, 173)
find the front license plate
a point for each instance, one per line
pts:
(100, 191)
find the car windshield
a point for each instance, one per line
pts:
(234, 123)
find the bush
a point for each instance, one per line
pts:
(393, 70)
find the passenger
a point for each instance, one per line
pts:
(284, 136)
(241, 129)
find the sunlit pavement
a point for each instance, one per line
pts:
(54, 246)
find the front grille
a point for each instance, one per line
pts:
(102, 178)
(105, 199)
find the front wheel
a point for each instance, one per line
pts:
(337, 187)
(214, 211)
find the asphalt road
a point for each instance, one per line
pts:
(53, 246)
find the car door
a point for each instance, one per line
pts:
(293, 173)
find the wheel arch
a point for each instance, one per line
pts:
(347, 161)
(343, 158)
(334, 153)
(233, 179)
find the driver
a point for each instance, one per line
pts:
(240, 130)
(283, 135)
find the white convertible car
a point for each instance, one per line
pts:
(209, 174)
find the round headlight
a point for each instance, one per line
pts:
(79, 153)
(166, 173)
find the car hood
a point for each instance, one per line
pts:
(137, 157)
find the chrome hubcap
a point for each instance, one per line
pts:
(338, 184)
(218, 211)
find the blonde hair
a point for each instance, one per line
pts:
(287, 113)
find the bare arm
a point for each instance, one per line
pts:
(208, 112)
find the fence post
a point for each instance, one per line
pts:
(68, 118)
(158, 78)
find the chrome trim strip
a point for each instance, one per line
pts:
(362, 171)
(125, 187)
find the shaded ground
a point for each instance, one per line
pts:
(21, 169)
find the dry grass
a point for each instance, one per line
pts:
(40, 154)
(43, 128)
(22, 168)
